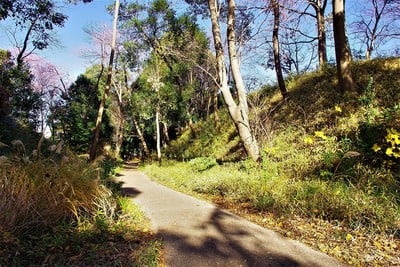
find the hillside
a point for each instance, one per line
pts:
(330, 163)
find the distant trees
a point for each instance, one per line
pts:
(17, 95)
(5, 82)
(27, 93)
(74, 116)
(172, 51)
(158, 47)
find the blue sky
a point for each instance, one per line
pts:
(71, 37)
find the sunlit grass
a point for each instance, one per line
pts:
(320, 163)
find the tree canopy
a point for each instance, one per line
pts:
(199, 64)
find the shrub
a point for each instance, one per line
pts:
(37, 192)
(203, 163)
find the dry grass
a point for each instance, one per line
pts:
(43, 192)
(56, 212)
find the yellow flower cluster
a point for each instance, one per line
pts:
(310, 140)
(391, 138)
(320, 134)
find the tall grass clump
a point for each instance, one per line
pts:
(40, 192)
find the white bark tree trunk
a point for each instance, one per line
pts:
(238, 112)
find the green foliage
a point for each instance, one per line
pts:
(109, 167)
(77, 113)
(179, 50)
(318, 158)
(17, 97)
(204, 139)
(202, 163)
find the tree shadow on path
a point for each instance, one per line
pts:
(225, 242)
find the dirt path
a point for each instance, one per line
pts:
(197, 233)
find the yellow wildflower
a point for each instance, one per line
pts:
(389, 151)
(376, 148)
(349, 237)
(308, 140)
(320, 134)
(338, 108)
(392, 137)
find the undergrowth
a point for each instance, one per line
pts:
(58, 210)
(326, 157)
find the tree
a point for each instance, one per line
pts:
(157, 85)
(378, 24)
(238, 112)
(275, 40)
(320, 7)
(94, 146)
(177, 47)
(36, 19)
(18, 95)
(342, 49)
(74, 115)
(5, 7)
(48, 83)
(5, 82)
(119, 106)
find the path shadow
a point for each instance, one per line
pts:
(131, 165)
(234, 244)
(129, 192)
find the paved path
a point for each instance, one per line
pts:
(197, 233)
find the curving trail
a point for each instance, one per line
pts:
(199, 234)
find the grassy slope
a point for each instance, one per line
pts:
(320, 181)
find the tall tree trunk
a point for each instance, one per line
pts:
(275, 42)
(121, 125)
(238, 113)
(342, 49)
(119, 134)
(141, 137)
(215, 106)
(319, 7)
(166, 134)
(96, 137)
(158, 137)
